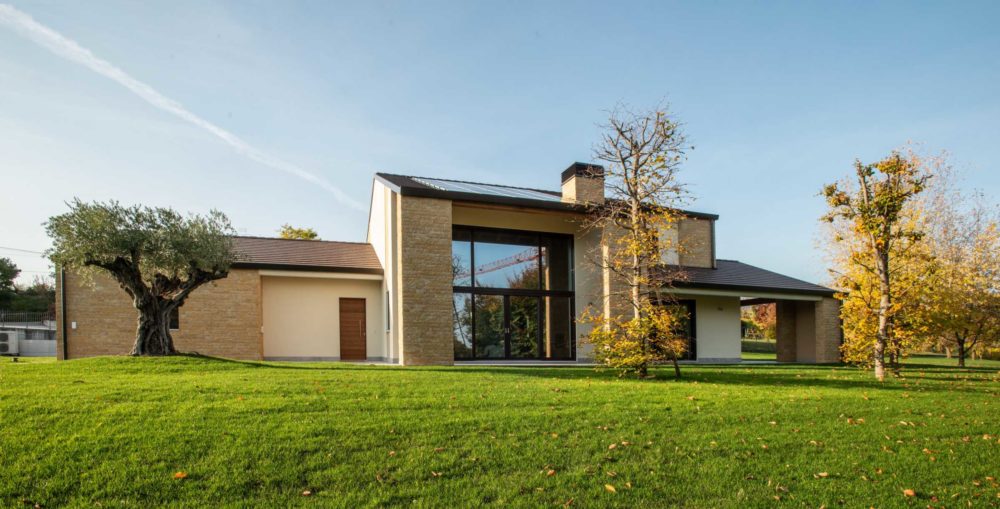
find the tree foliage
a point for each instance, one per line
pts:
(8, 273)
(290, 232)
(631, 345)
(642, 153)
(156, 255)
(962, 309)
(876, 234)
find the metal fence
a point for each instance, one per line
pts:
(26, 318)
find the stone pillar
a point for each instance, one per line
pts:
(785, 325)
(828, 330)
(425, 323)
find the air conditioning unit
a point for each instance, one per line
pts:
(8, 343)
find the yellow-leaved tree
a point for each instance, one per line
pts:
(962, 305)
(643, 152)
(877, 237)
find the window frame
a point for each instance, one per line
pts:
(473, 291)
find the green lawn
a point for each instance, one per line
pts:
(113, 432)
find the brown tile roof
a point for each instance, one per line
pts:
(737, 276)
(313, 255)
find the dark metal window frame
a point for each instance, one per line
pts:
(472, 290)
(692, 309)
(174, 320)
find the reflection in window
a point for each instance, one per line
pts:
(524, 327)
(461, 258)
(489, 327)
(557, 263)
(558, 328)
(506, 260)
(462, 325)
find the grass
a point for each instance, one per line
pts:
(113, 432)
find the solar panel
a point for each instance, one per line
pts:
(487, 189)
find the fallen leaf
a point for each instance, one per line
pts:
(822, 475)
(909, 493)
(612, 446)
(550, 473)
(610, 488)
(436, 474)
(392, 453)
(180, 475)
(306, 493)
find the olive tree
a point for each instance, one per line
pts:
(156, 255)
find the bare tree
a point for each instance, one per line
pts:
(643, 153)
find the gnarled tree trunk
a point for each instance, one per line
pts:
(152, 336)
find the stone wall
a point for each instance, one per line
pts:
(695, 239)
(828, 330)
(785, 331)
(221, 319)
(426, 280)
(808, 331)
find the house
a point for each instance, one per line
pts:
(453, 272)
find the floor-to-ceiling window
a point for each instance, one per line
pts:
(513, 294)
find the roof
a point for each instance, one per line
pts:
(734, 275)
(478, 192)
(312, 255)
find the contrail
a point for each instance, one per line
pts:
(67, 48)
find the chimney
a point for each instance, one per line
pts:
(583, 183)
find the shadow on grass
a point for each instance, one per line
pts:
(836, 376)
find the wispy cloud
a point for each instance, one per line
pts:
(69, 49)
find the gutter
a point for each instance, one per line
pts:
(62, 306)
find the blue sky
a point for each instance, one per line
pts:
(778, 99)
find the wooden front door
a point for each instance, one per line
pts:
(353, 346)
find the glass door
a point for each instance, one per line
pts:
(523, 321)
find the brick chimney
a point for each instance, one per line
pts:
(583, 183)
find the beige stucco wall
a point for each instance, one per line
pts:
(717, 327)
(381, 224)
(302, 316)
(696, 239)
(219, 319)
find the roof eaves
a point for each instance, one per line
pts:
(406, 186)
(306, 268)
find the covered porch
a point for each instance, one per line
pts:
(808, 328)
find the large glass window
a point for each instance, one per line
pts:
(506, 260)
(461, 258)
(489, 326)
(513, 294)
(462, 325)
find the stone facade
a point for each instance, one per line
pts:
(426, 280)
(221, 319)
(696, 242)
(580, 189)
(785, 331)
(808, 331)
(828, 330)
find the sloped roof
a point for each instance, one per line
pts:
(313, 255)
(478, 192)
(737, 276)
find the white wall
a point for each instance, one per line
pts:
(717, 322)
(381, 235)
(301, 316)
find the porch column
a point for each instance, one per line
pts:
(785, 326)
